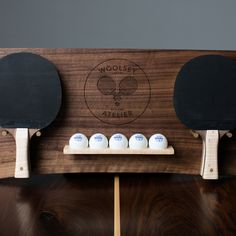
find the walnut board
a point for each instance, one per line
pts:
(88, 108)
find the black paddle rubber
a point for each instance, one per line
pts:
(205, 93)
(30, 91)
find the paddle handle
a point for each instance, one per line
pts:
(210, 159)
(116, 206)
(22, 153)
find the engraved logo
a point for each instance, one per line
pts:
(125, 87)
(117, 91)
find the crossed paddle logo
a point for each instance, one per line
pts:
(117, 91)
(126, 87)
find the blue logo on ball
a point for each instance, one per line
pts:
(98, 138)
(118, 138)
(159, 139)
(78, 138)
(139, 138)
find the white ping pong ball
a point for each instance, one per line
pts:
(138, 141)
(158, 141)
(98, 141)
(118, 141)
(78, 141)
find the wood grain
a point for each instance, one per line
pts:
(82, 102)
(150, 204)
(177, 205)
(57, 205)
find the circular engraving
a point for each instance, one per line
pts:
(117, 91)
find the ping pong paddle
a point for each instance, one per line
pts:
(30, 99)
(204, 101)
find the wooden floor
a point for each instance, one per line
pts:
(79, 204)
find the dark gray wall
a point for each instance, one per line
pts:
(180, 24)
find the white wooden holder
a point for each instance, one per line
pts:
(210, 163)
(22, 146)
(209, 167)
(147, 151)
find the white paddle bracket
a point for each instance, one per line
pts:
(22, 138)
(22, 153)
(209, 166)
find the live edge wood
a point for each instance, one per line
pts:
(152, 109)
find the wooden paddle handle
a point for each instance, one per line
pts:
(116, 206)
(22, 143)
(210, 164)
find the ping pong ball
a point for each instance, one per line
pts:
(78, 141)
(118, 141)
(158, 141)
(98, 141)
(138, 141)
